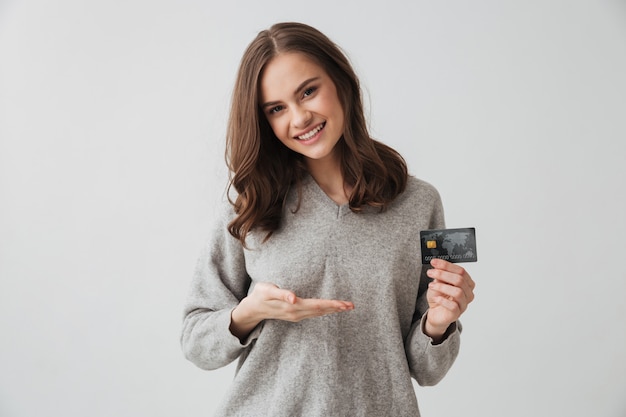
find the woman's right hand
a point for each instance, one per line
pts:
(268, 301)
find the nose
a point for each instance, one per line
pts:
(301, 117)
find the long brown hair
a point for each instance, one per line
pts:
(262, 169)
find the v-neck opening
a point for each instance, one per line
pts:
(341, 209)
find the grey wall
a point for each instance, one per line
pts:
(112, 117)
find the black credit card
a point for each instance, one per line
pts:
(452, 245)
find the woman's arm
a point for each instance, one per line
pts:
(434, 340)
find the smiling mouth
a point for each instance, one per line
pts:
(308, 135)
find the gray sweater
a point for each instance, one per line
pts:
(356, 363)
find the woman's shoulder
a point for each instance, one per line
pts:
(420, 189)
(419, 197)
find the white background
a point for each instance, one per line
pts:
(112, 121)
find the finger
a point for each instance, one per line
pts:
(451, 273)
(440, 301)
(305, 309)
(285, 295)
(273, 292)
(449, 292)
(318, 304)
(308, 308)
(450, 305)
(454, 290)
(442, 265)
(446, 276)
(461, 279)
(447, 266)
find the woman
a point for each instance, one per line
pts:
(312, 276)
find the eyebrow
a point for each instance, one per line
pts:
(300, 87)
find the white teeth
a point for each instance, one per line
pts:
(312, 133)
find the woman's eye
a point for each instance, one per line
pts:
(275, 109)
(309, 91)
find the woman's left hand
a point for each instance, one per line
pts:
(448, 295)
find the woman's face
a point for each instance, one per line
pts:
(301, 104)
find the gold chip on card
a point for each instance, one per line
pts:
(431, 244)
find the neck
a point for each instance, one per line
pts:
(327, 174)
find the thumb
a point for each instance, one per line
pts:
(288, 296)
(281, 294)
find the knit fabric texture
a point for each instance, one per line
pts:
(356, 363)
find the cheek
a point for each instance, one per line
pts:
(334, 107)
(282, 133)
(279, 127)
(340, 121)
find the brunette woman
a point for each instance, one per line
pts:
(312, 276)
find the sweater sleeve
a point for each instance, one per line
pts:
(219, 283)
(430, 362)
